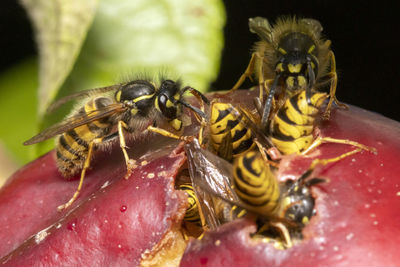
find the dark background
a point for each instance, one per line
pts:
(365, 38)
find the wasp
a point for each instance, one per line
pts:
(211, 171)
(228, 191)
(292, 128)
(287, 206)
(194, 223)
(229, 137)
(108, 114)
(234, 130)
(291, 56)
(192, 212)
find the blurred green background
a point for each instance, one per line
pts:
(95, 43)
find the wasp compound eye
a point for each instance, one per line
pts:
(167, 107)
(168, 98)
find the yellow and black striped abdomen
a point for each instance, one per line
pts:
(255, 184)
(192, 212)
(293, 125)
(227, 131)
(72, 146)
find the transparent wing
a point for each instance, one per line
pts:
(261, 27)
(254, 125)
(212, 180)
(81, 94)
(75, 121)
(314, 24)
(210, 173)
(225, 149)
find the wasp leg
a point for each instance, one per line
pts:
(320, 140)
(203, 125)
(284, 232)
(247, 73)
(169, 134)
(201, 120)
(86, 165)
(256, 57)
(187, 234)
(263, 84)
(264, 153)
(326, 161)
(267, 84)
(333, 77)
(201, 132)
(190, 233)
(130, 163)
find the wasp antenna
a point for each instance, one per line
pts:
(304, 176)
(315, 181)
(311, 82)
(194, 109)
(196, 93)
(268, 104)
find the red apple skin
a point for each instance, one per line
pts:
(113, 222)
(358, 210)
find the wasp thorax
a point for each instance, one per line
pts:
(297, 42)
(138, 95)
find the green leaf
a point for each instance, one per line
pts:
(60, 28)
(17, 104)
(183, 37)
